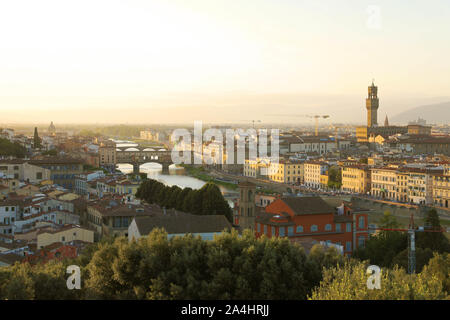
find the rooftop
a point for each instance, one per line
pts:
(308, 205)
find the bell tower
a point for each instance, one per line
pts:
(372, 106)
(247, 205)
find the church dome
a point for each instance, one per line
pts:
(52, 128)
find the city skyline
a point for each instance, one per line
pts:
(152, 62)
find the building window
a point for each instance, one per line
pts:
(273, 231)
(281, 231)
(328, 227)
(361, 222)
(290, 231)
(314, 228)
(349, 227)
(265, 229)
(361, 241)
(63, 239)
(348, 246)
(338, 227)
(259, 227)
(299, 229)
(117, 222)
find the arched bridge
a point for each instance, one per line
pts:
(138, 156)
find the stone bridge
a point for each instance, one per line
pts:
(138, 156)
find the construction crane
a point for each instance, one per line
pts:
(316, 117)
(336, 137)
(412, 241)
(253, 122)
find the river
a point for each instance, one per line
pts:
(176, 176)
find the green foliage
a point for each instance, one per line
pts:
(349, 282)
(40, 282)
(363, 160)
(439, 267)
(319, 259)
(334, 177)
(436, 241)
(52, 152)
(229, 267)
(390, 248)
(207, 200)
(388, 221)
(383, 248)
(202, 174)
(423, 256)
(8, 148)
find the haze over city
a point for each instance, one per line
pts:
(155, 61)
(223, 155)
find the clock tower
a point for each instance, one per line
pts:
(372, 106)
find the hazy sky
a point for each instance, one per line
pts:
(177, 60)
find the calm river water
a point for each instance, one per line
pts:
(176, 176)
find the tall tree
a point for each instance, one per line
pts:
(382, 248)
(435, 241)
(36, 140)
(181, 197)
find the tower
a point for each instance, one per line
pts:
(372, 106)
(247, 205)
(36, 140)
(386, 122)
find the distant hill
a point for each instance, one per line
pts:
(434, 113)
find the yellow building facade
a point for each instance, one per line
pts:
(286, 171)
(64, 235)
(384, 183)
(356, 179)
(441, 191)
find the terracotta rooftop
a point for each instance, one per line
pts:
(308, 205)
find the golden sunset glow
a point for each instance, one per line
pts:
(74, 61)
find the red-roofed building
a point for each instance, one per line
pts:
(316, 218)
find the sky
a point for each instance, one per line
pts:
(150, 61)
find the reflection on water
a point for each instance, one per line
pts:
(176, 175)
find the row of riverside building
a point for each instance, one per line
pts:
(428, 185)
(403, 181)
